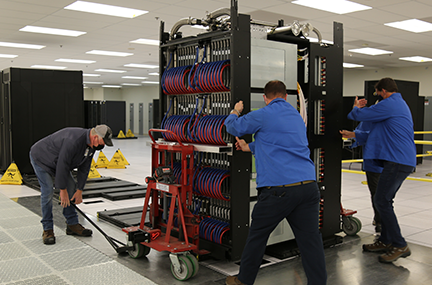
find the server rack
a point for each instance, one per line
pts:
(320, 79)
(36, 103)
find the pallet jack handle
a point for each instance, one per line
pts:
(112, 241)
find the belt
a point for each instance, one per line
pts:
(292, 184)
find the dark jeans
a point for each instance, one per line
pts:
(372, 181)
(299, 205)
(47, 191)
(390, 181)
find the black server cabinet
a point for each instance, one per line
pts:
(92, 113)
(410, 93)
(36, 103)
(113, 114)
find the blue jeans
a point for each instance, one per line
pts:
(390, 181)
(299, 205)
(47, 190)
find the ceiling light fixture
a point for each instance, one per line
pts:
(352, 65)
(48, 66)
(333, 6)
(416, 59)
(137, 65)
(154, 73)
(52, 31)
(75, 60)
(134, 77)
(104, 9)
(146, 42)
(88, 82)
(110, 70)
(111, 86)
(8, 55)
(17, 45)
(370, 51)
(150, 82)
(91, 74)
(412, 25)
(131, 84)
(109, 53)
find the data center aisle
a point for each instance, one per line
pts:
(346, 263)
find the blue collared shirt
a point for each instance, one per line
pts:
(392, 135)
(280, 147)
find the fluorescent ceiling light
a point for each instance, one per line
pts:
(112, 86)
(370, 51)
(75, 60)
(416, 58)
(88, 82)
(110, 53)
(413, 25)
(315, 40)
(334, 6)
(48, 66)
(52, 31)
(352, 65)
(141, 65)
(10, 56)
(17, 45)
(134, 77)
(110, 70)
(131, 84)
(91, 74)
(146, 42)
(104, 9)
(154, 73)
(151, 82)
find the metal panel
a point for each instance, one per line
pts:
(141, 118)
(131, 117)
(272, 60)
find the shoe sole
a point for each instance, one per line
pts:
(49, 241)
(76, 234)
(403, 255)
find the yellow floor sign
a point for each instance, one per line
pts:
(93, 173)
(129, 134)
(12, 175)
(117, 161)
(102, 161)
(121, 135)
(125, 162)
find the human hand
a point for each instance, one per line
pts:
(239, 106)
(64, 198)
(77, 197)
(242, 145)
(347, 134)
(359, 103)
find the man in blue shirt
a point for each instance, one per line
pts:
(285, 182)
(391, 144)
(55, 156)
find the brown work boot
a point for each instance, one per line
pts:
(233, 280)
(48, 237)
(394, 253)
(377, 246)
(78, 230)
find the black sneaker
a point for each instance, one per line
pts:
(48, 237)
(78, 230)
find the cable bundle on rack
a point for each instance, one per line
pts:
(213, 230)
(211, 182)
(197, 78)
(205, 129)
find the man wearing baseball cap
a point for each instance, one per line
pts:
(53, 158)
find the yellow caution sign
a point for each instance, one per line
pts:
(12, 175)
(93, 173)
(93, 164)
(125, 162)
(116, 161)
(364, 182)
(121, 135)
(102, 161)
(129, 134)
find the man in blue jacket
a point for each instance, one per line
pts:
(391, 144)
(55, 156)
(285, 182)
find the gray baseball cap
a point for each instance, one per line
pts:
(105, 132)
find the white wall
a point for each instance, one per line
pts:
(353, 83)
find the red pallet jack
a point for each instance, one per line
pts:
(350, 224)
(168, 201)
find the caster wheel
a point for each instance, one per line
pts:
(139, 251)
(195, 264)
(186, 269)
(352, 227)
